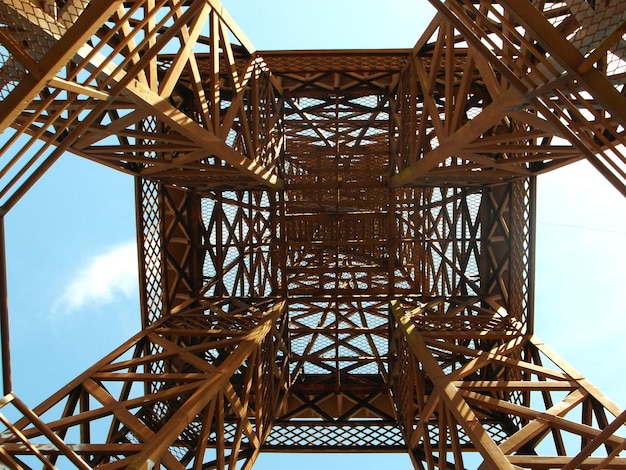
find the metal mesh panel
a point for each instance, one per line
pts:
(337, 438)
(151, 249)
(11, 72)
(597, 20)
(521, 256)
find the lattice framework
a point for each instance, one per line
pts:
(336, 245)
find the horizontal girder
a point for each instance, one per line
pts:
(337, 246)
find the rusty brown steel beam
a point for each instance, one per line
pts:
(7, 381)
(313, 187)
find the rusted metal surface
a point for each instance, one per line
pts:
(336, 246)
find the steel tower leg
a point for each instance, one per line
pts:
(195, 389)
(285, 197)
(490, 388)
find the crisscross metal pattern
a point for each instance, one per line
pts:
(336, 246)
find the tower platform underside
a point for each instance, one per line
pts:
(337, 247)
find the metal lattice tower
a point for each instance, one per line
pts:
(337, 245)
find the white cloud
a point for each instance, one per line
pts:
(106, 278)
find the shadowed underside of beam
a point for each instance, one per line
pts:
(337, 246)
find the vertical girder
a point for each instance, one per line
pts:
(185, 390)
(336, 246)
(490, 388)
(564, 60)
(152, 88)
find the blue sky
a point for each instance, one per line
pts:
(75, 230)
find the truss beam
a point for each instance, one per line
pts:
(164, 398)
(336, 246)
(506, 419)
(91, 87)
(566, 60)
